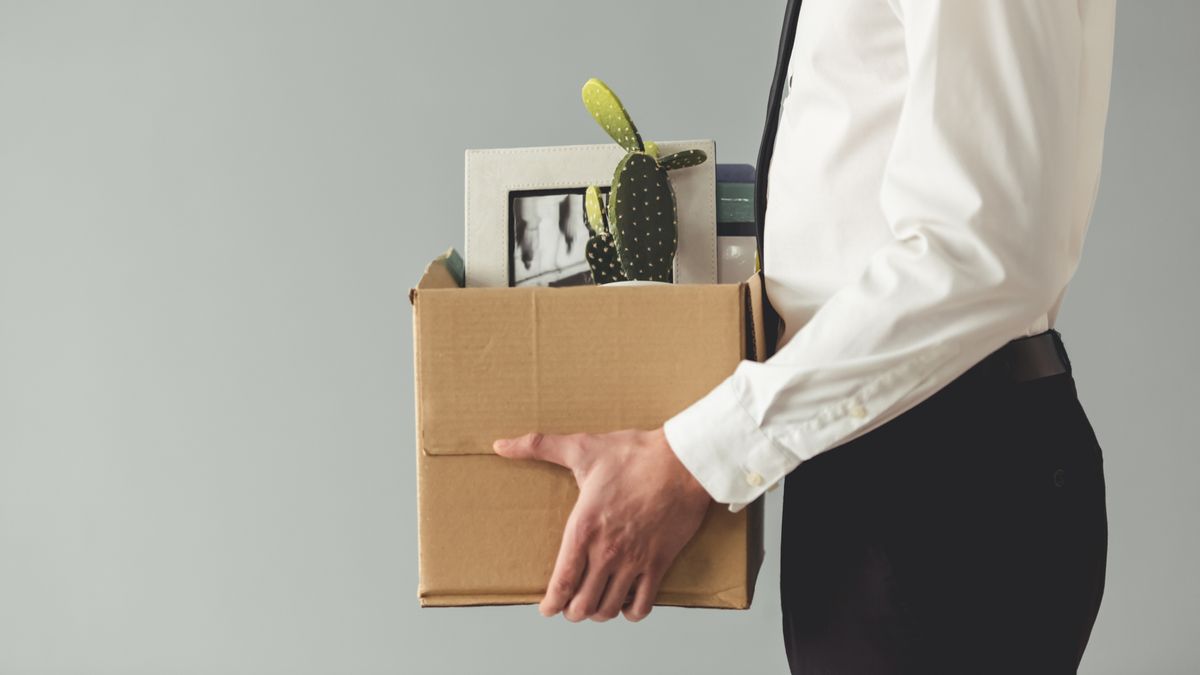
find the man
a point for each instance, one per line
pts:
(932, 173)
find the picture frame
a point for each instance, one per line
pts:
(547, 237)
(503, 187)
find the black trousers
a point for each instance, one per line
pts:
(968, 535)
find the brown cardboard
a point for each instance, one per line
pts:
(499, 362)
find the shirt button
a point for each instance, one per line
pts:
(754, 479)
(858, 411)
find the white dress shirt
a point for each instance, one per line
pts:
(934, 172)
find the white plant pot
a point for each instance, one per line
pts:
(637, 282)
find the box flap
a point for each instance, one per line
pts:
(630, 356)
(444, 271)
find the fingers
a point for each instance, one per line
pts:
(568, 569)
(615, 595)
(587, 598)
(561, 450)
(646, 591)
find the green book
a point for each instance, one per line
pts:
(735, 203)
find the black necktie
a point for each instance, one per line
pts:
(766, 149)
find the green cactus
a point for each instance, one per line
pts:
(608, 111)
(642, 217)
(601, 251)
(683, 159)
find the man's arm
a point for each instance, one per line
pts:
(979, 191)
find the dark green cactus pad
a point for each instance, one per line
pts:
(641, 209)
(601, 251)
(604, 105)
(602, 258)
(683, 159)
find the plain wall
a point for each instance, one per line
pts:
(210, 215)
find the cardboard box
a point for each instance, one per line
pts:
(499, 362)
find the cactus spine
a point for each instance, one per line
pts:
(642, 218)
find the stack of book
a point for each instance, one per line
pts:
(737, 245)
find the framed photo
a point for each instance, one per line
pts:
(547, 238)
(524, 213)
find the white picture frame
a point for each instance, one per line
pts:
(493, 175)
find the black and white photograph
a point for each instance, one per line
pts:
(548, 238)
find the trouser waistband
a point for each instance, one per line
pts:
(1028, 358)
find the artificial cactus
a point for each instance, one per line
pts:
(601, 250)
(642, 217)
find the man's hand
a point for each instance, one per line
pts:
(638, 506)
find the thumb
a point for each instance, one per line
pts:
(561, 450)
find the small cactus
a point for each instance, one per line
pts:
(601, 250)
(642, 218)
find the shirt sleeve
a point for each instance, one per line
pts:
(977, 190)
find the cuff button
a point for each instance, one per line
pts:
(858, 411)
(754, 479)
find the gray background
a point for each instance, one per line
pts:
(210, 214)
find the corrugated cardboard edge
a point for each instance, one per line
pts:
(756, 350)
(437, 276)
(689, 600)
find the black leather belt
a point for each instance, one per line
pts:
(1029, 358)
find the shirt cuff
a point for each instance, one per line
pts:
(725, 449)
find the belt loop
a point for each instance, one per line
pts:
(1062, 349)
